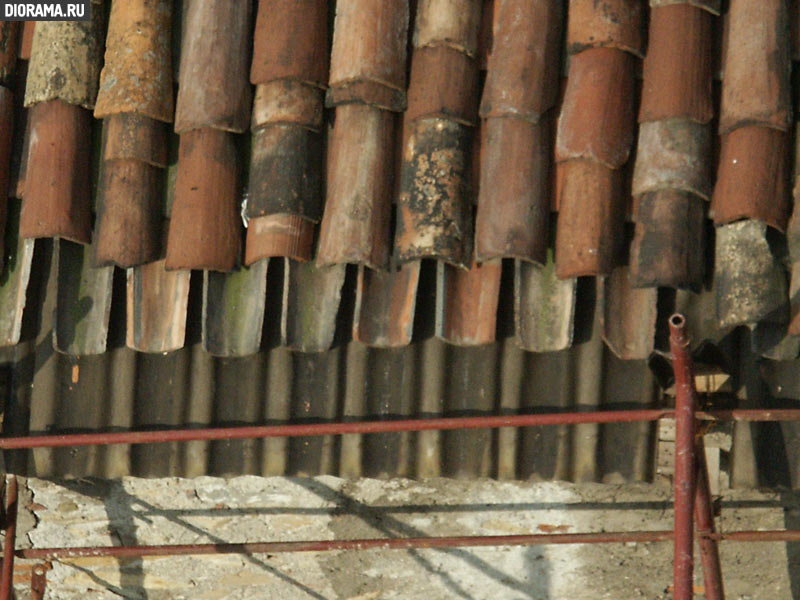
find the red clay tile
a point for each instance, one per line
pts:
(128, 231)
(590, 218)
(752, 177)
(286, 172)
(66, 57)
(597, 119)
(443, 83)
(137, 75)
(9, 43)
(514, 193)
(385, 305)
(522, 79)
(214, 88)
(453, 23)
(57, 196)
(205, 228)
(279, 235)
(485, 34)
(467, 301)
(287, 101)
(26, 39)
(605, 24)
(434, 208)
(291, 42)
(368, 57)
(668, 248)
(156, 308)
(629, 317)
(673, 154)
(712, 6)
(678, 66)
(355, 224)
(132, 137)
(756, 66)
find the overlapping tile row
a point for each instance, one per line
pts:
(751, 199)
(595, 133)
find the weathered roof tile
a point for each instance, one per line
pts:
(57, 196)
(605, 24)
(137, 75)
(214, 90)
(678, 66)
(514, 192)
(385, 305)
(466, 303)
(453, 23)
(523, 66)
(287, 101)
(204, 231)
(712, 6)
(629, 316)
(9, 44)
(291, 42)
(368, 57)
(128, 136)
(597, 119)
(756, 66)
(355, 224)
(752, 180)
(279, 235)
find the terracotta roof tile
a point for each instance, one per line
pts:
(233, 310)
(752, 181)
(629, 316)
(522, 78)
(156, 308)
(128, 231)
(385, 305)
(434, 209)
(137, 77)
(355, 224)
(514, 193)
(279, 235)
(453, 23)
(597, 119)
(128, 136)
(590, 218)
(291, 42)
(678, 66)
(668, 248)
(57, 202)
(756, 66)
(443, 83)
(466, 303)
(311, 297)
(287, 102)
(26, 39)
(673, 155)
(749, 283)
(65, 62)
(544, 307)
(368, 57)
(605, 24)
(9, 43)
(215, 62)
(204, 231)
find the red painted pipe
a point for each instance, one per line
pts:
(7, 573)
(685, 404)
(704, 524)
(363, 544)
(365, 427)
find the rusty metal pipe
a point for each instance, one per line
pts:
(704, 524)
(7, 573)
(366, 427)
(360, 544)
(685, 403)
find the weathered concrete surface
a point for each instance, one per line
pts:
(173, 511)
